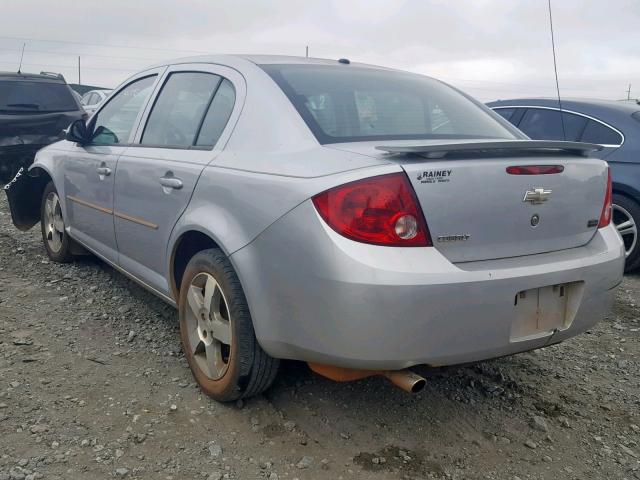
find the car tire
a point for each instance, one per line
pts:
(624, 210)
(218, 340)
(57, 243)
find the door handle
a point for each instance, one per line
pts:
(171, 182)
(103, 171)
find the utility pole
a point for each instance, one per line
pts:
(79, 79)
(629, 93)
(307, 54)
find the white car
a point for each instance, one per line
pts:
(93, 98)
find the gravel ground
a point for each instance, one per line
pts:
(93, 384)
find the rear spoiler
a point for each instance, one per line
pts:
(439, 150)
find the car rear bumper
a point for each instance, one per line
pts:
(318, 297)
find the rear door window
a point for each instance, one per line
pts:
(544, 124)
(217, 115)
(505, 112)
(596, 132)
(179, 109)
(25, 96)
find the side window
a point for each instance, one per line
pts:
(574, 125)
(179, 108)
(595, 132)
(505, 112)
(114, 123)
(542, 124)
(217, 115)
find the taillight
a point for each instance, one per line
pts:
(535, 169)
(379, 210)
(605, 216)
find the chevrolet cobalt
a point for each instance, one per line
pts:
(361, 219)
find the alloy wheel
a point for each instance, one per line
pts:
(626, 226)
(54, 224)
(209, 326)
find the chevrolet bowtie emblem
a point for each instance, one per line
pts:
(536, 196)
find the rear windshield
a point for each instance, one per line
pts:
(352, 104)
(24, 96)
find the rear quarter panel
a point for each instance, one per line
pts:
(234, 206)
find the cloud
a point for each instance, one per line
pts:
(490, 48)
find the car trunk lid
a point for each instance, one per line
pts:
(475, 210)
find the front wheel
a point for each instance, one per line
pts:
(626, 217)
(217, 331)
(56, 240)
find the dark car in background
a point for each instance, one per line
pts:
(34, 111)
(614, 125)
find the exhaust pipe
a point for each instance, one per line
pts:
(405, 379)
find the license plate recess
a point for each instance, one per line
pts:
(540, 312)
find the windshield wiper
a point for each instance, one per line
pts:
(33, 106)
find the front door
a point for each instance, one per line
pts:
(156, 176)
(89, 170)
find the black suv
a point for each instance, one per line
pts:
(34, 111)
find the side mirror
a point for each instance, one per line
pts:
(78, 132)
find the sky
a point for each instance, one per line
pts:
(491, 49)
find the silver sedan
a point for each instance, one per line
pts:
(361, 219)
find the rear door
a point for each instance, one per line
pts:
(89, 170)
(156, 176)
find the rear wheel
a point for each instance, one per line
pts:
(56, 240)
(626, 218)
(217, 331)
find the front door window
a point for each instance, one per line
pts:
(114, 123)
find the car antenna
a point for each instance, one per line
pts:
(555, 68)
(21, 57)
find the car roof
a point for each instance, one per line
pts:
(243, 59)
(586, 104)
(290, 59)
(31, 77)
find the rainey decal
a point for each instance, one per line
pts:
(434, 176)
